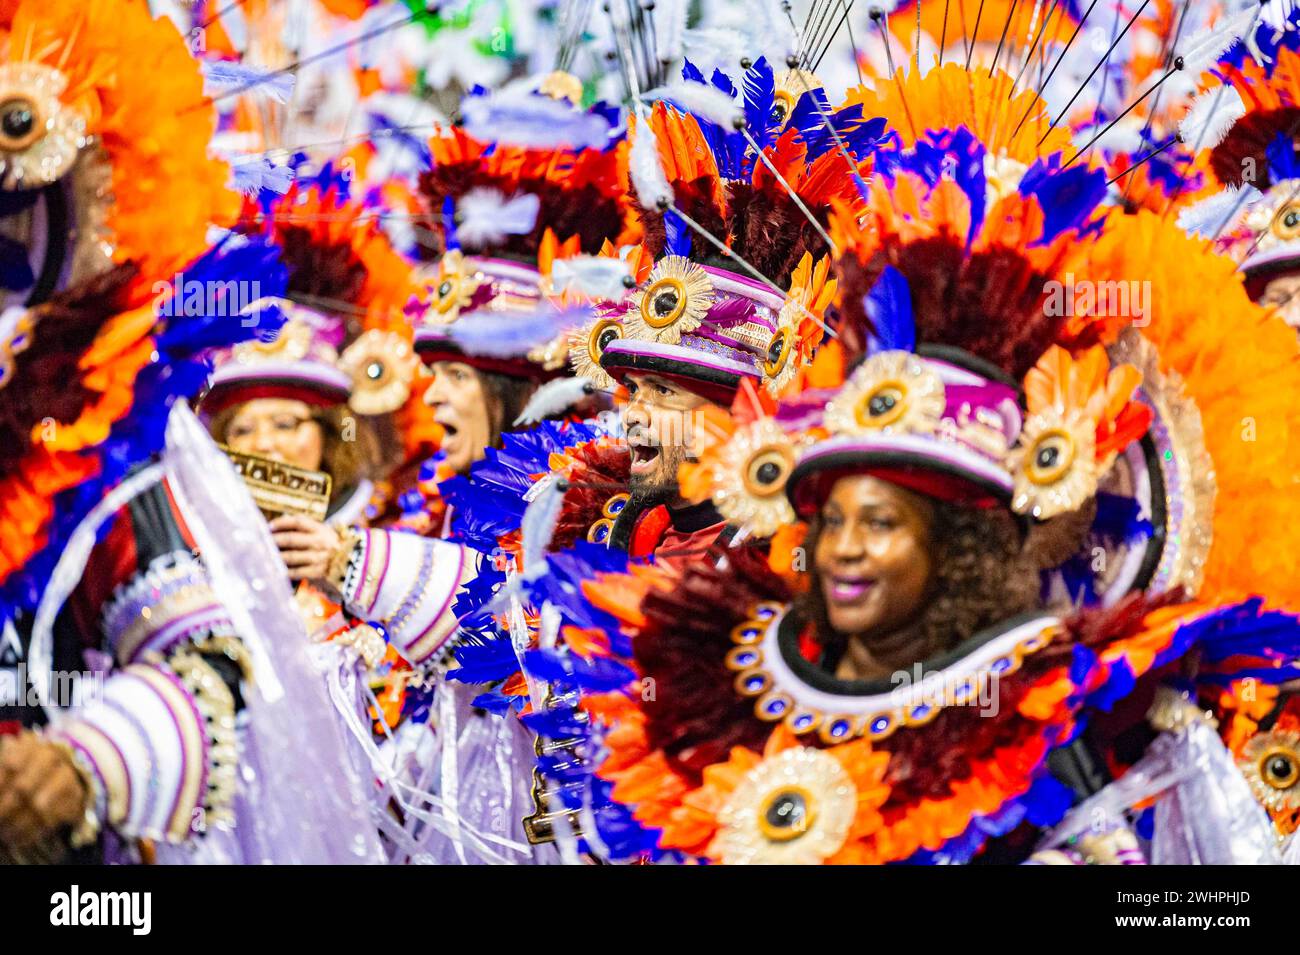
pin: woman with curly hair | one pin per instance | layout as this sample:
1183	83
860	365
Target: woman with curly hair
898	577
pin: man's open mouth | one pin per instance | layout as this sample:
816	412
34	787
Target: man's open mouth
644	457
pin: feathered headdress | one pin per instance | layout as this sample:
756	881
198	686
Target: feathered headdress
527	180
1247	125
342	267
85	116
118	374
735	188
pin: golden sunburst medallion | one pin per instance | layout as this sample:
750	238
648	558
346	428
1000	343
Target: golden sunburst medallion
1053	465
1270	762
290	344
451	290
749	477
788	87
1285	224
675	300
794	808
782	359
588	343
382	367
893	392
40	137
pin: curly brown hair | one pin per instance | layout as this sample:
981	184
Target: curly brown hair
982	574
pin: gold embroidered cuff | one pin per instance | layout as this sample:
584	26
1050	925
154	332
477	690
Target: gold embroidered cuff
337	571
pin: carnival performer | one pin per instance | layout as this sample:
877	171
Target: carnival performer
495	328
129	551
733	199
911	681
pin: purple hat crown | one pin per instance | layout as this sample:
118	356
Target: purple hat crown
693	321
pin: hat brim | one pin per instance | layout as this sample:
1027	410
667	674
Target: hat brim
920	464
710	376
439	348
1264	267
316	385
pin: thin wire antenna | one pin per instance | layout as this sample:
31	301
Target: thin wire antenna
1178	65
1214	108
825	117
1088	79
218	15
1166	54
816	11
625	59
649	56
763	157
1011	15
943	36
879	16
916	42
652	34
966	42
831	39
807	21
974	37
1151	155
1043	82
1029	57
813	43
1105	73
571	27
758	276
857	54
308	60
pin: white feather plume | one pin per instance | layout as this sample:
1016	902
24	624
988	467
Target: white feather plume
1211	116
554	398
714	45
1218	213
1203	49
253	174
538	527
485	217
596	276
700	100
572	17
647	174
670	26
221	77
514	334
523	118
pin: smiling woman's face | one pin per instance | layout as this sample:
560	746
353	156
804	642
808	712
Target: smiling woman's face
873	556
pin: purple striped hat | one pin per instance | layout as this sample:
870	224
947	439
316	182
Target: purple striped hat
703	326
301	362
468	287
942	425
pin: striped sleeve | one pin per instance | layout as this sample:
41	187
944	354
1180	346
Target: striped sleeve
407	584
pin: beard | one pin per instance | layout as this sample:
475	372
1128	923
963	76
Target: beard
658	486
